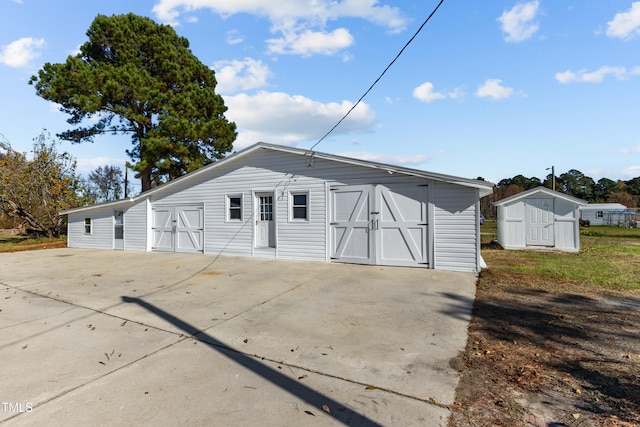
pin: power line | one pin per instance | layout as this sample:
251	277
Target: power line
309	163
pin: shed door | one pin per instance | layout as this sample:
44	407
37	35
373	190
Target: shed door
350	218
401	225
539	222
383	225
178	228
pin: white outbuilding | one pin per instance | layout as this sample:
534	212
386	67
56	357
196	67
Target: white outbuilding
280	202
597	213
539	218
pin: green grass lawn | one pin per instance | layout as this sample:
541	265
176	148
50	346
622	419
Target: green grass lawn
609	258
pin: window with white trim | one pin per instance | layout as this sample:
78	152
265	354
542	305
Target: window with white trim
87	226
234	207
299	206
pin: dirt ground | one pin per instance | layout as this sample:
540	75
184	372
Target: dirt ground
546	356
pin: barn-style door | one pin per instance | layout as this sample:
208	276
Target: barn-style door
379	224
178	228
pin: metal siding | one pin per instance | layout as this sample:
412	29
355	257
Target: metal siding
455	228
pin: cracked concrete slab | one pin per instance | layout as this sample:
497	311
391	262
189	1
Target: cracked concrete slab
155	338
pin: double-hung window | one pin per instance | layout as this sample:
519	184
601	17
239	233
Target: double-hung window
87	226
299	206
234	207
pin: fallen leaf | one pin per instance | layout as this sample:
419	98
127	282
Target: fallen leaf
24	346
107	356
432	400
371	387
302	377
326	409
576	415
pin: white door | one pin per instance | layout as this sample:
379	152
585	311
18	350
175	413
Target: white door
189	232
350	224
178	228
162	228
382	225
118	230
539	220
401	225
265	225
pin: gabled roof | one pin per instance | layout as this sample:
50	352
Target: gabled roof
540	191
485	188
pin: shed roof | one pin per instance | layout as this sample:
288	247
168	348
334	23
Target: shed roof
540	191
484	187
603	206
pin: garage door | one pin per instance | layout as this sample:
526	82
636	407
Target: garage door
178	228
379	224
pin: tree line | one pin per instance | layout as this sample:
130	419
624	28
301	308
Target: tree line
573	183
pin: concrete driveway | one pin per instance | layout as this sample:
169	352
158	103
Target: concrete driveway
93	337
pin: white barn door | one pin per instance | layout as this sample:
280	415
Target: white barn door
178	228
401	225
539	222
350	223
383	225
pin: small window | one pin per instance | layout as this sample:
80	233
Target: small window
299	206
87	226
234	208
599	214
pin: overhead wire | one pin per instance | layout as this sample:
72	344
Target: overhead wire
311	152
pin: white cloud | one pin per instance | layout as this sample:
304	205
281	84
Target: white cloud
310	43
625	25
87	165
425	93
631	172
285	119
518	22
493	88
233	76
635	149
234	37
403	160
20	52
597	76
300	24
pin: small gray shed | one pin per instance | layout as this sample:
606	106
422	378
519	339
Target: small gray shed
539	218
280	202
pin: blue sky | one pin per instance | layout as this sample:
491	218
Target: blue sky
488	88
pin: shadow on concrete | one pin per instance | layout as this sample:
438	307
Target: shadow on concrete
318	400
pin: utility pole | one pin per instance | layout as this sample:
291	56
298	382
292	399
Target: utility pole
553	177
126	181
